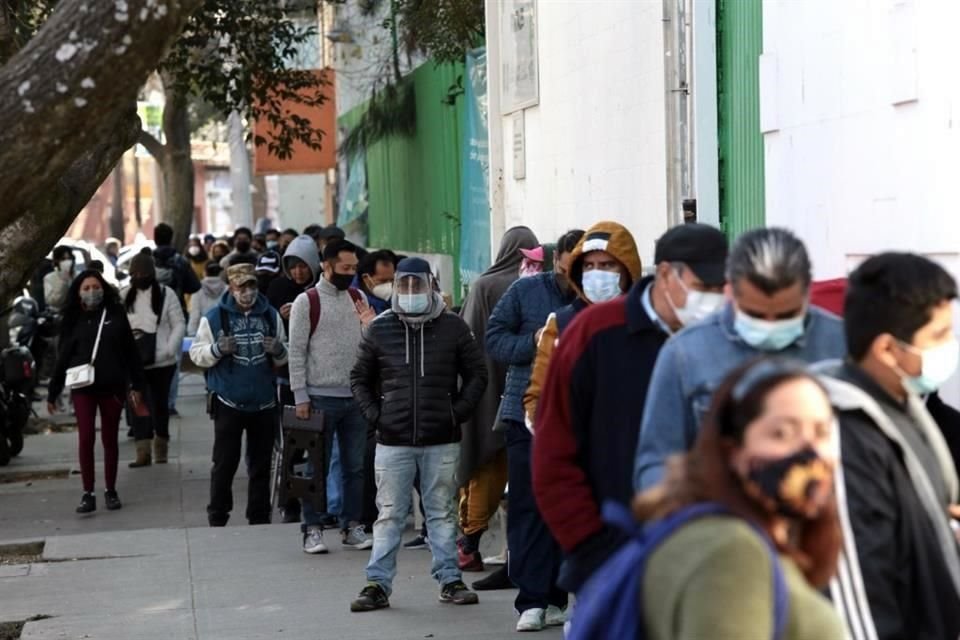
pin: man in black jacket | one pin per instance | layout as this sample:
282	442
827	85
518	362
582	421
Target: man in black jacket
900	571
406	383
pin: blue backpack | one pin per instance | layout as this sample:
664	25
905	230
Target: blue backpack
609	605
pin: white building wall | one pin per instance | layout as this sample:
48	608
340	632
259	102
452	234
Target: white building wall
595	144
860	102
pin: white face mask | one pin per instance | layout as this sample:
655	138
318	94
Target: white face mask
600	286
698	306
383	291
767	335
66	265
937	364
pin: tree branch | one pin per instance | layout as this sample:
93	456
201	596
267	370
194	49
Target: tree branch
150	142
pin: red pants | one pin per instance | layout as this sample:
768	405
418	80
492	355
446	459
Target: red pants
111	406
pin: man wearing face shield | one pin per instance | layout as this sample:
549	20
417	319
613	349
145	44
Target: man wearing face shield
768	312
899	484
594	394
419	375
239	343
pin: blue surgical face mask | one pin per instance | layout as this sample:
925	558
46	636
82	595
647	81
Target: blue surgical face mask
937	364
767	335
413	303
600	286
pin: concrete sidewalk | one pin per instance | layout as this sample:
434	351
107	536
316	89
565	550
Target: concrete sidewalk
154	570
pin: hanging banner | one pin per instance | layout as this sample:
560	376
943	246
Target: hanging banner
354	202
475	172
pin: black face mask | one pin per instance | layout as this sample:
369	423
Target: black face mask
243	246
341	281
142	282
797	486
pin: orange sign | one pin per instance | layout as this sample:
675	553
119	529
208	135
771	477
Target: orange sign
304	159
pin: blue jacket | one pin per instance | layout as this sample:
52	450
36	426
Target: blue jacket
520	313
246	379
692	365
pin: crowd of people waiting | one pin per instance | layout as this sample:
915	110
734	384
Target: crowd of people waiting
701	449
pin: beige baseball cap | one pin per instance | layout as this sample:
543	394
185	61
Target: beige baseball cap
240	274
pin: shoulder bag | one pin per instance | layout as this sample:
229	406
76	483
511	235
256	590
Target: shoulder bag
83	375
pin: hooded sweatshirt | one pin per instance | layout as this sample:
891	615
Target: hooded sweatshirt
616	240
245	379
211	289
320	362
284	290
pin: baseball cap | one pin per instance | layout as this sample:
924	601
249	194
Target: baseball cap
535	254
269	262
240	274
699	246
414	265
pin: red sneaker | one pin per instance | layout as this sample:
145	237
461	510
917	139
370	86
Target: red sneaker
469	561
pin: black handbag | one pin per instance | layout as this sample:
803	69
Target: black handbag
146	346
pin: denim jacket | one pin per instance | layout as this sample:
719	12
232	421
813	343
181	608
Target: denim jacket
691	366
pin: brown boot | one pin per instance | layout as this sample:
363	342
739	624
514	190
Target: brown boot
143	455
160	447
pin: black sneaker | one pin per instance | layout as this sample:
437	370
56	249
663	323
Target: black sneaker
371	598
420	542
458	593
88	503
112	500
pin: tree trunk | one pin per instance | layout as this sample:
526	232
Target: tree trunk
64	120
177	167
117	226
90	58
48	217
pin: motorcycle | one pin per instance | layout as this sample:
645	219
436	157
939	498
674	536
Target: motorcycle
18	380
18	375
31	328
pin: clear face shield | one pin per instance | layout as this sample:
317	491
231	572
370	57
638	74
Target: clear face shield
412	292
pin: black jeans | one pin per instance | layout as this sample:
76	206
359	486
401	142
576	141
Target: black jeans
157	395
229	425
535	557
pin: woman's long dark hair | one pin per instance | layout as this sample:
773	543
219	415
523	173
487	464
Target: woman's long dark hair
74	305
705	474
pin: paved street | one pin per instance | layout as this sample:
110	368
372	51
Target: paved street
154	570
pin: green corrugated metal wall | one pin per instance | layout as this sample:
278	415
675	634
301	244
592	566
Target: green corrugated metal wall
414	183
739	45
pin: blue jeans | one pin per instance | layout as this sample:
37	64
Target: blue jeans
395	471
342	417
334	479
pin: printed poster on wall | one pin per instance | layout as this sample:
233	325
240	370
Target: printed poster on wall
475	172
520	85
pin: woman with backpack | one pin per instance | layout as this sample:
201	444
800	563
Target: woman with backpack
743	532
156	317
98	363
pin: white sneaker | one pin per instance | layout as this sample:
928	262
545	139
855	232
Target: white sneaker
357	538
531	620
555	616
313	541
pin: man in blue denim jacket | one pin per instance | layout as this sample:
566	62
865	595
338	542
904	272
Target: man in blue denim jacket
768	276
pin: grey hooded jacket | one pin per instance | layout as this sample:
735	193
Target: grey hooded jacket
899	573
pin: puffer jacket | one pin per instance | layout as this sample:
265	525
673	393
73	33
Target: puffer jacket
406	376
519	314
